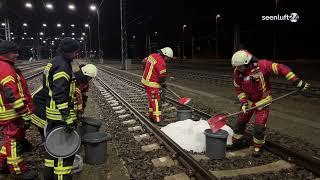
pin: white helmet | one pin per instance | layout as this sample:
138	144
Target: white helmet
89	70
167	51
241	57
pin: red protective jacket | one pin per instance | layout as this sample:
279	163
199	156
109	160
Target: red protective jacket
155	71
254	83
15	98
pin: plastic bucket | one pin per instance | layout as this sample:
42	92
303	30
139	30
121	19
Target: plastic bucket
61	144
95	147
183	114
216	144
90	125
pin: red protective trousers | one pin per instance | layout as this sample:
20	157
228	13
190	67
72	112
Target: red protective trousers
11	149
261	116
153	95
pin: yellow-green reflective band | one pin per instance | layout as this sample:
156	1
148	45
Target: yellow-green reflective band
258	141
48	163
60	75
241	95
150	84
6	80
38	121
63	105
237	136
275	68
163	71
18	103
290	75
3	150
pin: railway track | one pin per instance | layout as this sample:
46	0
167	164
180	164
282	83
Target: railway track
127	99
278	86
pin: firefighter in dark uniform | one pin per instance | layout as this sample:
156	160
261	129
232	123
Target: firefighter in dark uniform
59	81
83	76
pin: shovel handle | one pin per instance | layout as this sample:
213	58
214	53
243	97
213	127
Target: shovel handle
173	93
273	100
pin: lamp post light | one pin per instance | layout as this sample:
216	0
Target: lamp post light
183	36
93	8
71	7
49	6
28	5
88	26
217	34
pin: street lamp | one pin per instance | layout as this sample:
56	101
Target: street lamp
58	25
71	7
94	8
72	34
28	5
88	26
183	36
41	33
25	24
44	25
49	6
3	24
72	25
22	38
217	34
11	33
25	33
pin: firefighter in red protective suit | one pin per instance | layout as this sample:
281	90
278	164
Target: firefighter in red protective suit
252	85
154	77
15	109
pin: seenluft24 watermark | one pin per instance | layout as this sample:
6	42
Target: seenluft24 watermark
293	17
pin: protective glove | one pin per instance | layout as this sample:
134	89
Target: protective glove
70	127
164	85
27	121
244	107
301	85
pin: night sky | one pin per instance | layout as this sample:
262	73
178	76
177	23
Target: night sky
167	17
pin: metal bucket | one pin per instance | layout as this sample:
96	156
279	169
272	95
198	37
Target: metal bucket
216	143
90	125
95	147
61	144
183	114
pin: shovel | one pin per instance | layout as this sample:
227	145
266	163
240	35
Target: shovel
182	100
219	120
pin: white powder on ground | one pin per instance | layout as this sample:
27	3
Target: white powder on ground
189	134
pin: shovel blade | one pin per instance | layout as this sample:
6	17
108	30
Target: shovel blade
184	100
217	122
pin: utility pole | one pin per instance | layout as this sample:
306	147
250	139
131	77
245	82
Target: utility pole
124	52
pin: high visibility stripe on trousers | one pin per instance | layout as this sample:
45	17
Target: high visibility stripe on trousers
60	170
14	159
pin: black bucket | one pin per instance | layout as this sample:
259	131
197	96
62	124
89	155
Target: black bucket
216	143
183	114
90	125
95	147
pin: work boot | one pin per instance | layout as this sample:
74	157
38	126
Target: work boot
27	175
257	150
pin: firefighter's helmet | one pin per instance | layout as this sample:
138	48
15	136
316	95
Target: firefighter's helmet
89	70
167	51
241	57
